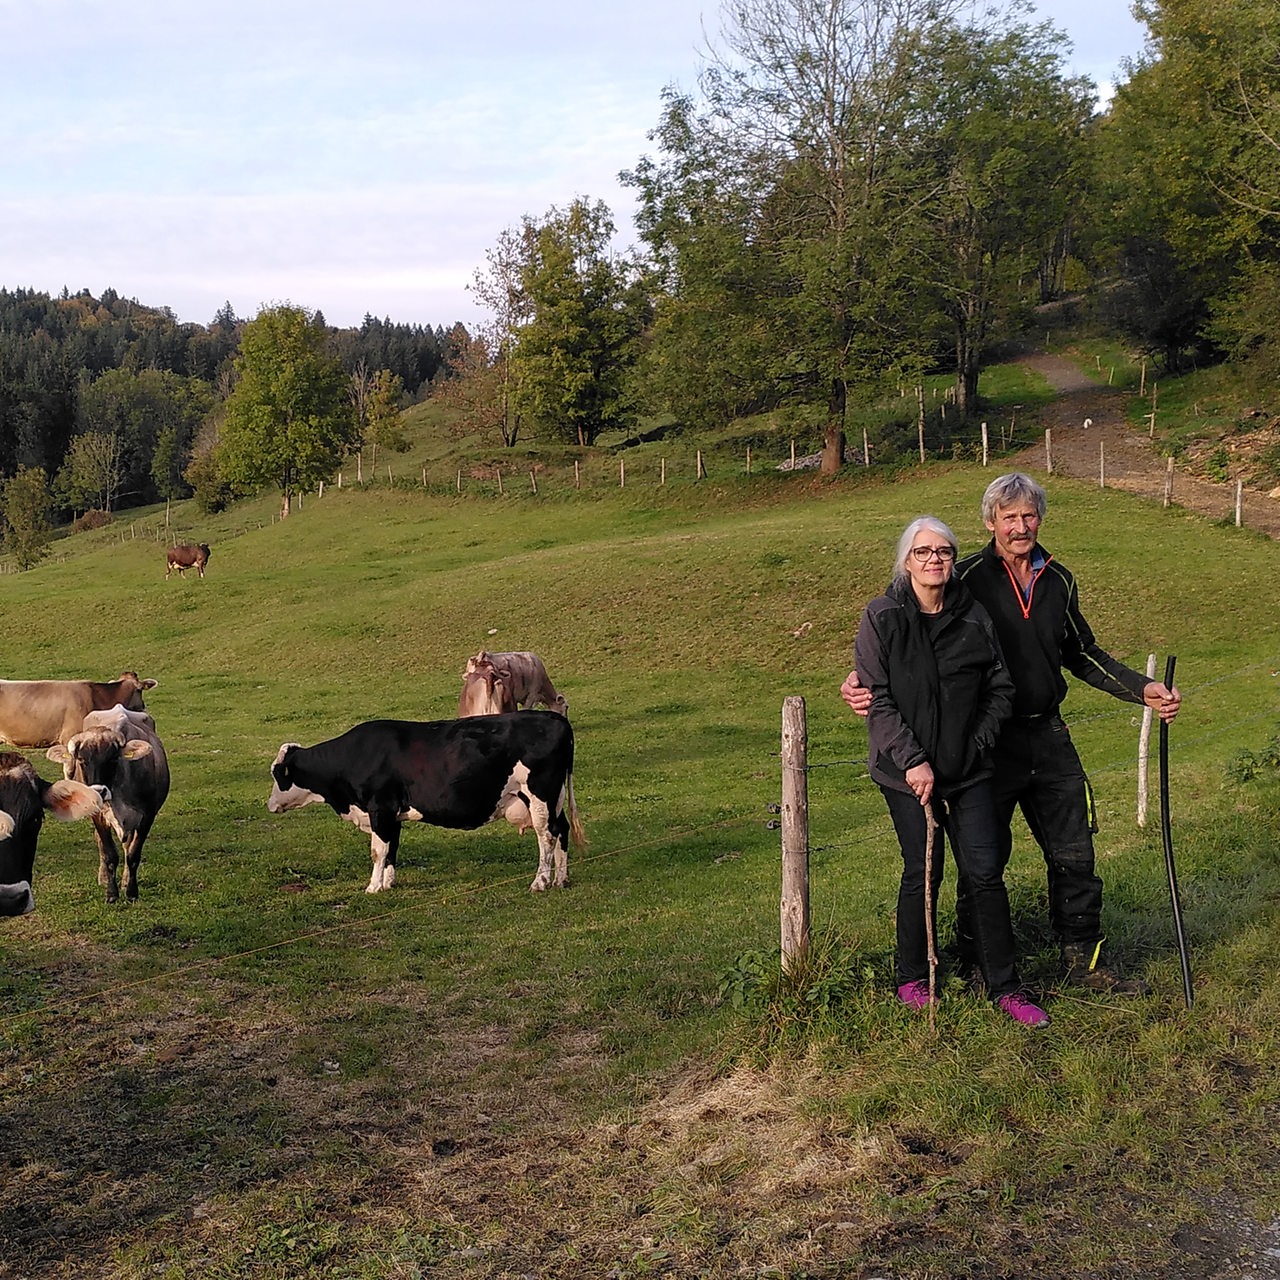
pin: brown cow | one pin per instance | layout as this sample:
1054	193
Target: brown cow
186	557
119	751
39	713
525	678
484	691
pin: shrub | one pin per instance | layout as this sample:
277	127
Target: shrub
93	519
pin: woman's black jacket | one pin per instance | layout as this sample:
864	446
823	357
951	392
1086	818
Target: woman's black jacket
939	688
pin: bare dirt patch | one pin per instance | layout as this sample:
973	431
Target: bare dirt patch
1126	459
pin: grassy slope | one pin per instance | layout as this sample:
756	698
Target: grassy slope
297	1095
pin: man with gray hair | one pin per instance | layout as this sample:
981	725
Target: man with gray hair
1035	605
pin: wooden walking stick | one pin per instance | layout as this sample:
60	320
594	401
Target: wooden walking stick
1167	835
931	831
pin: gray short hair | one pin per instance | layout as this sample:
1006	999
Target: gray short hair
909	536
1008	491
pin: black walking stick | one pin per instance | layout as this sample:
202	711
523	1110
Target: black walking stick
1167	836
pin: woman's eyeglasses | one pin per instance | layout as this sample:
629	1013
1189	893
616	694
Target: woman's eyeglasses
922	555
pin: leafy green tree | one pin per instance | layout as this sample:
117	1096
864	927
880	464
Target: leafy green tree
1000	156
139	407
93	470
25	515
587	309
376	400
789	198
288	421
489	365
1189	174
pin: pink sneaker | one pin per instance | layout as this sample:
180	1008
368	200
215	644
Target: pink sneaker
1020	1009
915	995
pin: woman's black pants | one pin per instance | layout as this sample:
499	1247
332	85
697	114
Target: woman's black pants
969	819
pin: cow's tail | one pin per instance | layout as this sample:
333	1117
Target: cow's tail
577	832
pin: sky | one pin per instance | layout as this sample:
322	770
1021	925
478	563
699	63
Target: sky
354	158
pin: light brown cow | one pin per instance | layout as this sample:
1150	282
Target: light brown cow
485	690
40	713
524	676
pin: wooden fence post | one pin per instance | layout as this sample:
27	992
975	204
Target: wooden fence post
866	449
794	912
793	455
920	419
1168	482
622	473
701	471
459	479
1144	748
577	474
985	450
533	482
1048	450
1239	501
663	478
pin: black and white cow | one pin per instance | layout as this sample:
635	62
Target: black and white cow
24	796
452	773
120	750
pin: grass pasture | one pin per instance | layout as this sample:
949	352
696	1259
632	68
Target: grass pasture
258	1070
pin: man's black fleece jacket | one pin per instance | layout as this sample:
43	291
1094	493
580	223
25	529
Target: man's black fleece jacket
1042	636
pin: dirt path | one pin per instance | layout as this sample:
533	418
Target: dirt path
1132	462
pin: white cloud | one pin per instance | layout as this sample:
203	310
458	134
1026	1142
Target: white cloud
355	159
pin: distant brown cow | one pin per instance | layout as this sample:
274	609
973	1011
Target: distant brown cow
39	713
524	676
484	690
186	557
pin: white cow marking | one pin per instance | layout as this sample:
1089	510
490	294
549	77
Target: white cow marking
384	875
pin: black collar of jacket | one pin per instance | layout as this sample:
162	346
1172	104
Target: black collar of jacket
957	599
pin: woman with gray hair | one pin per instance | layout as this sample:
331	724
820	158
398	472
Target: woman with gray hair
939	694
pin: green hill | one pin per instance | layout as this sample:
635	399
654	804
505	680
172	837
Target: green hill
259	1070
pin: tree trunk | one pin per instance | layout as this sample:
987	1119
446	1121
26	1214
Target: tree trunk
285	505
833	440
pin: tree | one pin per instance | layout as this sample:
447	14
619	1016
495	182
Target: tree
800	142
142	407
481	390
1189	164
502	289
92	472
999	152
383	424
25	505
288	422
586	311
375	400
